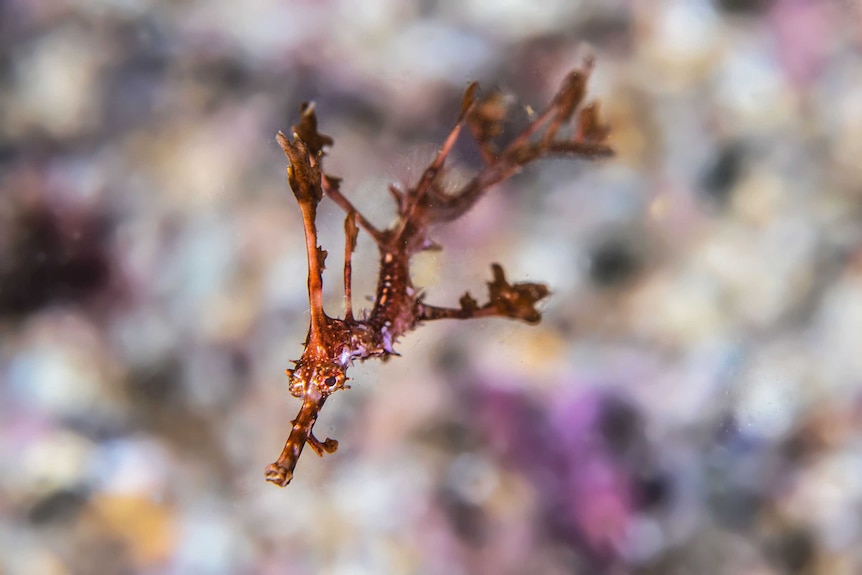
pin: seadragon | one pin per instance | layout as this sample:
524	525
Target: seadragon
569	126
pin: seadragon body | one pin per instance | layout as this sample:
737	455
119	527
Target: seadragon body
333	344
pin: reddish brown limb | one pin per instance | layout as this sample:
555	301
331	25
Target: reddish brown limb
430	174
350	232
588	141
281	472
516	301
485	120
431	312
304	178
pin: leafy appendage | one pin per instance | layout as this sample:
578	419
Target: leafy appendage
306	130
514	301
517	301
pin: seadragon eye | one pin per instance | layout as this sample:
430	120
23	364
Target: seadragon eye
331	381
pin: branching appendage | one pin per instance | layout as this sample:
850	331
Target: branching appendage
333	344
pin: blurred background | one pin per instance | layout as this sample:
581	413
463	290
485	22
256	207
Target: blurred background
689	404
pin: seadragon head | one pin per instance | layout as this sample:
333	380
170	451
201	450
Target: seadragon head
324	379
